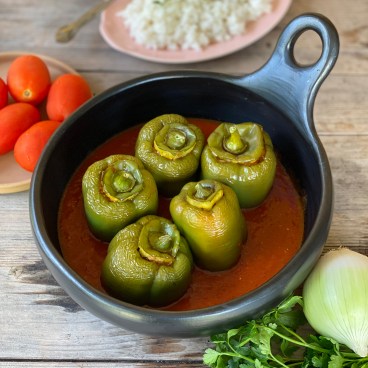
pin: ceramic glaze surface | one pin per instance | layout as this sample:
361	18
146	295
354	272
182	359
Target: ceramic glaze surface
281	95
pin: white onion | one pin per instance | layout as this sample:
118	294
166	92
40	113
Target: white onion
336	298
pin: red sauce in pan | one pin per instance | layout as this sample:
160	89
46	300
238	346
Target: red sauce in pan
275	232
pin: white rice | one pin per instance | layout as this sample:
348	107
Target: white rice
189	24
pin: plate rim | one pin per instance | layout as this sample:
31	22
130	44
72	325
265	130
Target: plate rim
280	8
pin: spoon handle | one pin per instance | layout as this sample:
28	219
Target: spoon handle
68	31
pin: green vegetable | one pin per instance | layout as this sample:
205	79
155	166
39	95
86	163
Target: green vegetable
207	213
241	156
148	262
117	191
336	298
170	149
273	341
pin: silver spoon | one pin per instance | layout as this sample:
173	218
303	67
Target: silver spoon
68	31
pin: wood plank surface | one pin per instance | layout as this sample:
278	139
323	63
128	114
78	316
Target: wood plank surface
40	325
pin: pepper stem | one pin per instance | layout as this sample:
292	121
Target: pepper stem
123	182
234	143
176	139
159	241
203	191
205	194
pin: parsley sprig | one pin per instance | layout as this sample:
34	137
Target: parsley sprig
274	341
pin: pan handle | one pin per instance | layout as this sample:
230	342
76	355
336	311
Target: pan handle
288	85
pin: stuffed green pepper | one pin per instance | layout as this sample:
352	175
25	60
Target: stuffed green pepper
148	263
208	214
170	147
241	156
117	191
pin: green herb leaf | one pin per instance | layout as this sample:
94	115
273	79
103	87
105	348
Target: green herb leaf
336	362
210	357
274	341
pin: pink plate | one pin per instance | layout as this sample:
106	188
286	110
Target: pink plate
117	36
12	177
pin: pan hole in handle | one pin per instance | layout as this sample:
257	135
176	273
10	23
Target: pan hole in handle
298	37
288	80
307	48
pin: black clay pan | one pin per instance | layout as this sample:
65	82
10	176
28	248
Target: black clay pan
281	95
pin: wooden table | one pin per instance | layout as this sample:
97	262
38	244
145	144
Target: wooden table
40	326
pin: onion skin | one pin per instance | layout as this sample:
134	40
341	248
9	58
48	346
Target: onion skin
336	298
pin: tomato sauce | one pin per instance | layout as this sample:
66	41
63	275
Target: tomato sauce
275	233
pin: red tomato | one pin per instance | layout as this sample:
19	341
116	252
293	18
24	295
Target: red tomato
28	79
3	94
31	143
67	93
15	119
